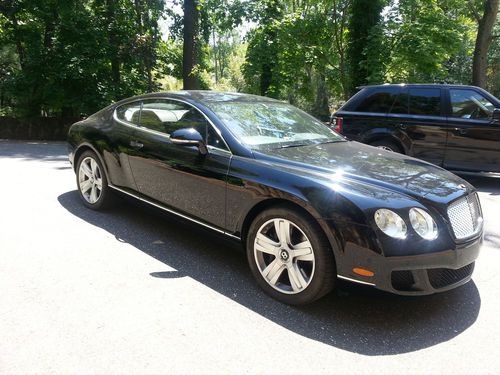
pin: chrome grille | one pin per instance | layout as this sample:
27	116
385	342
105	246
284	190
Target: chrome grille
465	216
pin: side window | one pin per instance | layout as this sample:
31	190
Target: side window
400	105
167	116
470	104
426	102
378	101
129	112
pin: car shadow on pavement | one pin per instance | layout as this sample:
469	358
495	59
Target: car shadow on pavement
355	318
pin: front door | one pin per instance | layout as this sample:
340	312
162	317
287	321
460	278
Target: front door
474	139
179	176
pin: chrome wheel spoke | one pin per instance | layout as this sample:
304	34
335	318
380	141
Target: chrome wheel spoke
94	167
297	281
266	245
98	183
273	271
282	228
85	186
303	251
86	169
93	194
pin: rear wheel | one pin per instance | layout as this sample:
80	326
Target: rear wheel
92	182
290	257
387	144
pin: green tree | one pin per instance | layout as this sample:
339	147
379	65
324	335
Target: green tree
364	42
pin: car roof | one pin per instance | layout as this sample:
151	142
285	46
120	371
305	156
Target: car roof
207	96
436	85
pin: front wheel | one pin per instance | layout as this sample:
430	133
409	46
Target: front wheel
92	182
290	257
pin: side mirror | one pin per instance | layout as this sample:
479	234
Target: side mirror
496	115
189	137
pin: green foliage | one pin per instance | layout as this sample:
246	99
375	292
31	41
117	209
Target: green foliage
77	56
365	41
66	57
425	40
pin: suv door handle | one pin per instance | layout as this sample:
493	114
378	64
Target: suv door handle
136	144
461	131
401	126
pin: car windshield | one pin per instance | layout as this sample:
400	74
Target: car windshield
272	125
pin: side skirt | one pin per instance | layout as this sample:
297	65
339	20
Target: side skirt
173	212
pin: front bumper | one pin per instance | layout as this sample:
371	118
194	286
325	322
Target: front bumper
411	275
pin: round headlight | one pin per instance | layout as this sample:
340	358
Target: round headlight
423	224
390	223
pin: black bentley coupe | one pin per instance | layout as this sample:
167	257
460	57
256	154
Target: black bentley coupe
309	205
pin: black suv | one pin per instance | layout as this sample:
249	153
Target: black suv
454	126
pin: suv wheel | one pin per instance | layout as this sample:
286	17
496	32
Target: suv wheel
387	145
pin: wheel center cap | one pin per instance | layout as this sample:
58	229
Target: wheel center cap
284	255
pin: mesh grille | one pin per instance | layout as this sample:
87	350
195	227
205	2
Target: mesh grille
441	277
465	216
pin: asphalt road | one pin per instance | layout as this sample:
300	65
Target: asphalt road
134	291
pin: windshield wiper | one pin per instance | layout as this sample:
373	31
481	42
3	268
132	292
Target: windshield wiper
294	145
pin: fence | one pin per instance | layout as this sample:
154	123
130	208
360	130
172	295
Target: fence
43	128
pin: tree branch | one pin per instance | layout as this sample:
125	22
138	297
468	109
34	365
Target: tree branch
474	11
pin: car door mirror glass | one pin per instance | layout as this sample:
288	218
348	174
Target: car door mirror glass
189	137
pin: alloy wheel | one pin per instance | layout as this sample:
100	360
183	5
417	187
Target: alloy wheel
90	180
284	256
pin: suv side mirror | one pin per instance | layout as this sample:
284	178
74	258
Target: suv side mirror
189	137
496	115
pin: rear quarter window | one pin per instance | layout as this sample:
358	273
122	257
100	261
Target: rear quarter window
377	100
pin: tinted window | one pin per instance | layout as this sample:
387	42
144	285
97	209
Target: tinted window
400	104
470	104
378	101
425	102
167	116
129	112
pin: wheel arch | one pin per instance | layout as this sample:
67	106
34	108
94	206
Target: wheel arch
386	136
333	238
88	147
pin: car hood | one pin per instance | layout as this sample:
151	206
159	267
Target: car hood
349	160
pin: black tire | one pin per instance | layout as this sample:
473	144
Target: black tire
323	277
388	145
105	195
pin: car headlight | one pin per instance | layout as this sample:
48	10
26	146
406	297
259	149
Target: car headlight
423	224
390	223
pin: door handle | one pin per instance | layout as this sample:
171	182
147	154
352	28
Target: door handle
401	126
136	144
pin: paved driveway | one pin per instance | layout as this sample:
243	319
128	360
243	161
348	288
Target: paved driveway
134	291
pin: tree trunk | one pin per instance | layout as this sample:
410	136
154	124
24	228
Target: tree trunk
190	46
483	41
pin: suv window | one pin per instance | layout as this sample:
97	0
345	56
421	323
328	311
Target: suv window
378	101
425	101
167	116
400	104
466	103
